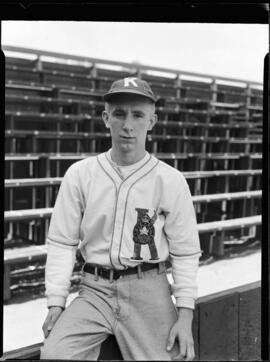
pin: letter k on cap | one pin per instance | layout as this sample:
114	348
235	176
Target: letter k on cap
131	85
130	80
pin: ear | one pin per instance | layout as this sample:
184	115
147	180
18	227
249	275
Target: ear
153	121
105	117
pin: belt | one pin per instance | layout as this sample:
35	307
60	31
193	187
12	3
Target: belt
116	274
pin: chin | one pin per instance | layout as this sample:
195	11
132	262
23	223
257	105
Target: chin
126	148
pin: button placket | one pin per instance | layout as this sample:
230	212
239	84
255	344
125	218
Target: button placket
118	222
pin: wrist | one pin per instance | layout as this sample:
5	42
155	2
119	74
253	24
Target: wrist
184	312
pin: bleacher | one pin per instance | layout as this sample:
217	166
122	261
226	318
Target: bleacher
209	127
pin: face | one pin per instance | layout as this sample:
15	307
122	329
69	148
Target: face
129	118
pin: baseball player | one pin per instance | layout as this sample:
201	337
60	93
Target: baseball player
128	213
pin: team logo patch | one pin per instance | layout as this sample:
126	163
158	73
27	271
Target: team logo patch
144	234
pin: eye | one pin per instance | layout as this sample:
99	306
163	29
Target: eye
118	114
138	115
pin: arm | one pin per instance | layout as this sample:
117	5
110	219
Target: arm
184	246
62	242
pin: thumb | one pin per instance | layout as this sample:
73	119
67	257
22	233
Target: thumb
171	339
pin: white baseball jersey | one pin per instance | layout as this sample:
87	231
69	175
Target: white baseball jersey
119	222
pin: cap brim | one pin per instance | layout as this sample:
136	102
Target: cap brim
110	95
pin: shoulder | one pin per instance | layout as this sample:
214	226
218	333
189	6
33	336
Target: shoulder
81	168
171	174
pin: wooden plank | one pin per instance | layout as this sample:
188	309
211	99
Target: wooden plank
78	135
28	182
218	333
161	156
31	214
229	224
35	116
226	292
226	105
227	196
54	135
24	86
29	352
200	174
249	325
30	253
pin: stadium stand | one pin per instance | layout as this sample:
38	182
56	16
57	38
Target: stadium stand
209	127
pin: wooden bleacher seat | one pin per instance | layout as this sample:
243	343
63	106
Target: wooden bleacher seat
226	196
175	155
30	214
52	135
81	93
11	98
216	231
53	117
33	182
230	124
186	162
68	101
60	134
226	105
27	86
18	215
231	224
47	181
29	253
203	174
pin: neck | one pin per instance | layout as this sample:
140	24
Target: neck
128	158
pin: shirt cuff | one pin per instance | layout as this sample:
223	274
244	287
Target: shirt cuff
56	300
185	302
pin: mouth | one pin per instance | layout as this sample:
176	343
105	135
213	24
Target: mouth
127	137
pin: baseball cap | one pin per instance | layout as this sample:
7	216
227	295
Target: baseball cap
131	85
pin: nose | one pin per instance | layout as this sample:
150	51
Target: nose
128	126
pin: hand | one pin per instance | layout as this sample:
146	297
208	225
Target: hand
52	316
182	330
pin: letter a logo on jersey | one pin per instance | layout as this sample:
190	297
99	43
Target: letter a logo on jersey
130	81
144	234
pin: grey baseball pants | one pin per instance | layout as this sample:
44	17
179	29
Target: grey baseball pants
138	311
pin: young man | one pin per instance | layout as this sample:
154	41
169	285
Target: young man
128	212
